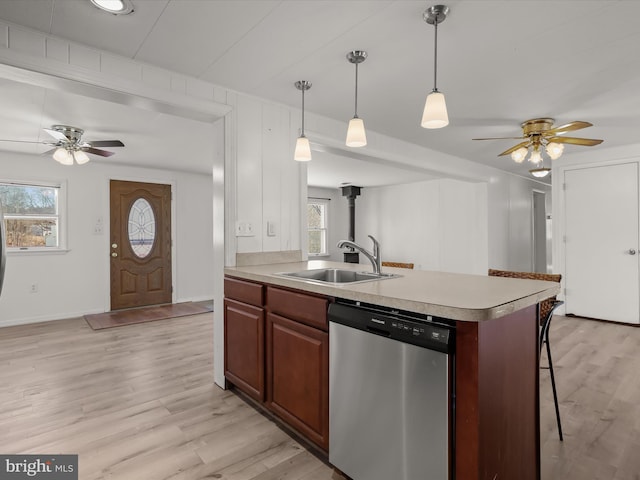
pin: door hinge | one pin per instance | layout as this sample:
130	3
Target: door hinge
564	239
564	186
171	288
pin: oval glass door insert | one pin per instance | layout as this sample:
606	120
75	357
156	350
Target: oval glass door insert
142	227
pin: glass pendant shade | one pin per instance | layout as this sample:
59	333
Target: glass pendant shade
535	157
61	155
81	157
554	150
356	134
435	111
519	155
303	150
540	172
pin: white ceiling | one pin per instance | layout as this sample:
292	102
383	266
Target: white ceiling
499	63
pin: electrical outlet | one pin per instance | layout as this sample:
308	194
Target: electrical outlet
34	288
244	229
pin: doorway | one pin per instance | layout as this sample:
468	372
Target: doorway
140	244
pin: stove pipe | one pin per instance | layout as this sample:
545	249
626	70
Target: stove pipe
351	192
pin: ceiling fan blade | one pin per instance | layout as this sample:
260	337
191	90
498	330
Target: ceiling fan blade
49	152
577	125
97	151
57	135
106	143
499	138
587	142
514	148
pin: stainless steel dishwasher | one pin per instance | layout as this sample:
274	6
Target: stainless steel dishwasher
391	393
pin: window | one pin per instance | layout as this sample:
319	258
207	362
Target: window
317	226
31	216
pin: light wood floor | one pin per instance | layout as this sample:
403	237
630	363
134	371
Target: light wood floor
138	402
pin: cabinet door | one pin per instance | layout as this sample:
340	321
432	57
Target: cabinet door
298	377
244	347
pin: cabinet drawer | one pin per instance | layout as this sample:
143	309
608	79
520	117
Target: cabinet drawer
243	291
301	307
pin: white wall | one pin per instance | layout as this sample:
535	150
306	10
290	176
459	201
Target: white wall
269	185
338	216
77	282
436	225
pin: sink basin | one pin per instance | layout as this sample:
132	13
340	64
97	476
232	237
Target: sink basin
336	276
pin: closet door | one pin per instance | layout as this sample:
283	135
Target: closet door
601	242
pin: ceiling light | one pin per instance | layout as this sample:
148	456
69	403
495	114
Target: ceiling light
63	156
519	155
80	157
554	150
540	172
435	108
116	7
535	157
356	134
303	149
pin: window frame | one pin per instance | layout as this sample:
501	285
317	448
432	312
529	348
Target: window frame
325	202
61	216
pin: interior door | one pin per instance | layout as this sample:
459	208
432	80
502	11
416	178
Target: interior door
140	244
601	242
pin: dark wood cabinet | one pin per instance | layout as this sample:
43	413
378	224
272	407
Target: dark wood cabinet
276	350
244	347
244	336
298	376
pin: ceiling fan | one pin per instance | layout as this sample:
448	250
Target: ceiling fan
539	132
69	146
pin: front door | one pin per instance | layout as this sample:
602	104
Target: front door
601	242
140	244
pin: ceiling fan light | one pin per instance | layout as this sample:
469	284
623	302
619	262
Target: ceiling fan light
540	172
435	111
80	157
519	155
535	157
356	134
303	150
554	150
62	156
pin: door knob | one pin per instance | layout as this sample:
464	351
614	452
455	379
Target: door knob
632	251
114	245
114	254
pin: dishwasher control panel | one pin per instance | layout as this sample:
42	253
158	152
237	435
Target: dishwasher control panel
422	330
419	330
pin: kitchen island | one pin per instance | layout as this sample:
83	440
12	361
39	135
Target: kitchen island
495	430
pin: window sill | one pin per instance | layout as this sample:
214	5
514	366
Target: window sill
37	251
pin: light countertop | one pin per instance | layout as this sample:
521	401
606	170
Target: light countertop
455	296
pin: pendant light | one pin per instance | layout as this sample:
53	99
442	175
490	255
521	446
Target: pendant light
356	135
303	149
435	108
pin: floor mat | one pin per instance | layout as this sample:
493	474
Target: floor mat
119	318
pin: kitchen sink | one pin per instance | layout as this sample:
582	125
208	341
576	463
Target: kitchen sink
337	276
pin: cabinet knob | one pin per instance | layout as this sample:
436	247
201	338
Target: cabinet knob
114	254
114	245
632	251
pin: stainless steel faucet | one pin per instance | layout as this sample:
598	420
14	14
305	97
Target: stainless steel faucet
374	257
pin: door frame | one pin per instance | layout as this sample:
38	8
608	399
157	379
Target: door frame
535	192
107	232
576	162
